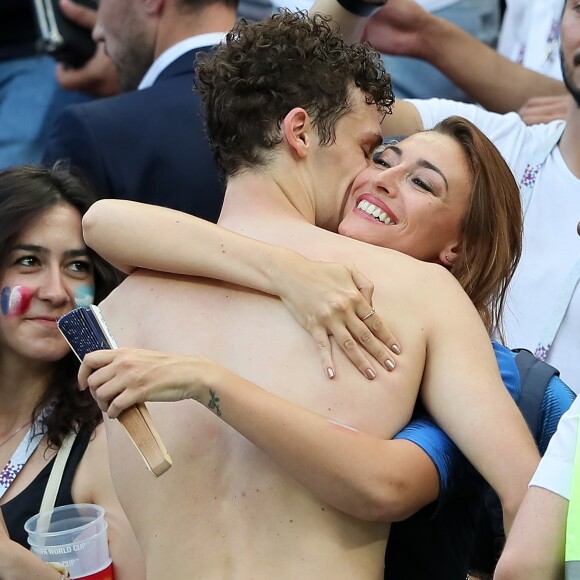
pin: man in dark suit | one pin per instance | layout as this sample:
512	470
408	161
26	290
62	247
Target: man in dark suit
149	144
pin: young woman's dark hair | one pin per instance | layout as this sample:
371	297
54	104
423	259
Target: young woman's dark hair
25	194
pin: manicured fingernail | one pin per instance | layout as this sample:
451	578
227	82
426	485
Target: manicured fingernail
370	374
330	372
396	349
390	364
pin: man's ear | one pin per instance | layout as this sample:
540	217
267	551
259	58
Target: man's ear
296	128
153	7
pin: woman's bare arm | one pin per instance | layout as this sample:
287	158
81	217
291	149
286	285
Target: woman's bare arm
463	391
362	475
326	299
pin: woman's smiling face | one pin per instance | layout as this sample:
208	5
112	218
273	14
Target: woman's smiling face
48	273
412	198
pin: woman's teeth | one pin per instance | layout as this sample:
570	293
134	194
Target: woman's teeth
374	211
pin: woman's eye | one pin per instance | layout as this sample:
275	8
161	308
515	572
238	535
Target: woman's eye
379	159
28	261
80	266
420	183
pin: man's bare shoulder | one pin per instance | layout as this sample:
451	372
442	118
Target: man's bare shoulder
388	267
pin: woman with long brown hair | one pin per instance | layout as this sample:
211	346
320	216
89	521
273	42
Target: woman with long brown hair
45	271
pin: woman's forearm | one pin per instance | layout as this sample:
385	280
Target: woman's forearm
362	475
325	298
359	474
133	235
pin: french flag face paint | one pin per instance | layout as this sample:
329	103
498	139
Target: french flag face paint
84	295
16	300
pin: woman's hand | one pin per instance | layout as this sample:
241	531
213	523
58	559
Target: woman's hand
124	377
326	299
333	299
17	562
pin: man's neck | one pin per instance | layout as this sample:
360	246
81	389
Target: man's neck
258	205
569	141
175	26
261	196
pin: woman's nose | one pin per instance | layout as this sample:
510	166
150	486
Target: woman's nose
387	180
53	288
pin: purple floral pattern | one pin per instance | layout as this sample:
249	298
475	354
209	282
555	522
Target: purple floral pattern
541	352
530	175
9	473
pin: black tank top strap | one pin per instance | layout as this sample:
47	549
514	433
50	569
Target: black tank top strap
27	503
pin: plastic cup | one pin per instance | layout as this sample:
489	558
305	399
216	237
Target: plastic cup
74	536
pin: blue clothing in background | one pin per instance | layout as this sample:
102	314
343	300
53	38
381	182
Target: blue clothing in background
30	97
437	542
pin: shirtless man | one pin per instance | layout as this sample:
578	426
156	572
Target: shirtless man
226	509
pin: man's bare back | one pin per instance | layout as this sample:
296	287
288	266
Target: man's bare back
225	510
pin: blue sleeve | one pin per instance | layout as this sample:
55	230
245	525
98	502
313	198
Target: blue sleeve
557	400
450	463
506	361
438	446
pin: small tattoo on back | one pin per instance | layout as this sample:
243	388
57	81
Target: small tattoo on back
214	403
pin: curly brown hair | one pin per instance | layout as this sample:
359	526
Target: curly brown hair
492	225
265	69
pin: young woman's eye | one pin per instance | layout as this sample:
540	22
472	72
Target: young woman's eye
379	159
80	266
28	261
420	183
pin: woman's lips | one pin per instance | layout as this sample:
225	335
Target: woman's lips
48	321
391	218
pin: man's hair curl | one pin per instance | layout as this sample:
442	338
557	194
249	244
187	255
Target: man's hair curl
265	69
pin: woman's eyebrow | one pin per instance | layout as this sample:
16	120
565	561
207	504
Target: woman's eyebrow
421	162
429	165
73	253
393	148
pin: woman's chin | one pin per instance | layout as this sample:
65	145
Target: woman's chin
352	229
359	230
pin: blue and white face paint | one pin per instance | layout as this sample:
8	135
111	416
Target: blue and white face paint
84	295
